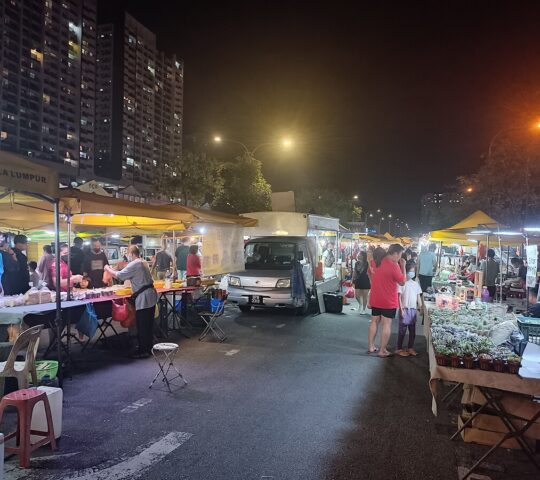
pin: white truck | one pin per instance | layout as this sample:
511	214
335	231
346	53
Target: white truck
273	248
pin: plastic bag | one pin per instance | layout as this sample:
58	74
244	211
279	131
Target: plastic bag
107	278
350	292
88	323
123	312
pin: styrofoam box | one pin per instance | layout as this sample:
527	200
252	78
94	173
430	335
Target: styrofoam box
39	420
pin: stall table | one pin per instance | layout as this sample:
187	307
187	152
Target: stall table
494	386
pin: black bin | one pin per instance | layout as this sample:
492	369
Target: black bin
333	302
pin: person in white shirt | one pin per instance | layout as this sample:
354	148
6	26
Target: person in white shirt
410	297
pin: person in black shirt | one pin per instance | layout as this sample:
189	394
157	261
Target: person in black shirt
77	256
16	276
534	306
521	269
94	264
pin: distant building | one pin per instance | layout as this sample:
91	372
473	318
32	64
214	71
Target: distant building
47	58
139	105
441	210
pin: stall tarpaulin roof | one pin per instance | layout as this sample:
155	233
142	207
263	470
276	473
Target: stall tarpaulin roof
23	212
475	221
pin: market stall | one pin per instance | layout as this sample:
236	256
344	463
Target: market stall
477	346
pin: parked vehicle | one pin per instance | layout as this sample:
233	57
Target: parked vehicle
267	279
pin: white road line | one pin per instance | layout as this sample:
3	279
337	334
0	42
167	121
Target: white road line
474	476
281	325
230	353
136	405
137	466
253	326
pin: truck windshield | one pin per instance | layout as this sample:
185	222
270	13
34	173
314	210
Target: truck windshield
269	255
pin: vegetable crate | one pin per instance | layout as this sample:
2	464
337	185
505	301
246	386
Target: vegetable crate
530	327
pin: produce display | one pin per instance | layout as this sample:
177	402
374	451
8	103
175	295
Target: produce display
475	336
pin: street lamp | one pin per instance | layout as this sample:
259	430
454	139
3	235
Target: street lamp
285	143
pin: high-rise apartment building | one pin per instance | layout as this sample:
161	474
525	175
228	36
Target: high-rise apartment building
47	58
139	104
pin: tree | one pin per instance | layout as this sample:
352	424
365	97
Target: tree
194	179
507	186
327	201
243	188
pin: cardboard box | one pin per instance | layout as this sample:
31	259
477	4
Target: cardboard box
493	423
485	437
519	406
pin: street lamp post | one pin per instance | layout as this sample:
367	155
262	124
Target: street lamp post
285	143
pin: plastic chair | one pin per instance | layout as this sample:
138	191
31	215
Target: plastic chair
29	342
164	355
25	401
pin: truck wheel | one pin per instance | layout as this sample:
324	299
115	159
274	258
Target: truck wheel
244	308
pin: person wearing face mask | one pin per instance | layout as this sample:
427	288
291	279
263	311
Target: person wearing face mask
64	271
144	296
410	297
17	278
94	264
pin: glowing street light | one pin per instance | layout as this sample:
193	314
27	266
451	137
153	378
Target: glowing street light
355	197
217	139
469	190
287	142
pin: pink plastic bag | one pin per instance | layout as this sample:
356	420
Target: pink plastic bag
350	292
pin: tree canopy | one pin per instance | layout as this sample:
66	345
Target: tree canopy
244	188
328	201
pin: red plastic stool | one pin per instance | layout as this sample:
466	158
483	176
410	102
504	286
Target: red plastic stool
24	401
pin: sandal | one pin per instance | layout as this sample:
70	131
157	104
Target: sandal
375	350
386	355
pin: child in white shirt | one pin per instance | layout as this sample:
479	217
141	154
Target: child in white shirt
410	296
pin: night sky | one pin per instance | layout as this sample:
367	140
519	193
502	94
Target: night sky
387	101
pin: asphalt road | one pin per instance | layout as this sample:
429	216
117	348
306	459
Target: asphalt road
283	398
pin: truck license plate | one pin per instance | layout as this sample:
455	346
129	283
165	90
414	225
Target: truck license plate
256	299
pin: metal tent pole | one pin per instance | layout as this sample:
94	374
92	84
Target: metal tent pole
58	318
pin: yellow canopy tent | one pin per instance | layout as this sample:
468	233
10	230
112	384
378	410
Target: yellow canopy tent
26	213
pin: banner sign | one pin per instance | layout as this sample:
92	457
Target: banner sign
532	258
223	250
21	175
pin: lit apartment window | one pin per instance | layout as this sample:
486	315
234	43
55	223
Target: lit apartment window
129	161
36	55
46	99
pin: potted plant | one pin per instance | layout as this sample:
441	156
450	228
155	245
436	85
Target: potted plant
469	351
514	362
485	360
498	363
455	357
441	355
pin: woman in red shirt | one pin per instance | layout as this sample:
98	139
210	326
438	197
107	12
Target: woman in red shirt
389	272
193	262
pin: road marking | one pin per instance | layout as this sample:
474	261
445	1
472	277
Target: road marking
136	405
253	326
281	325
230	353
474	476
137	466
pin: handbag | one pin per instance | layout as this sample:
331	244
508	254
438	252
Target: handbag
88	323
124	312
138	292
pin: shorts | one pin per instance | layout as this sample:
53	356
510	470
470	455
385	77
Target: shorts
385	312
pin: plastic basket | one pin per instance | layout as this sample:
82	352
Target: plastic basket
530	327
216	305
45	369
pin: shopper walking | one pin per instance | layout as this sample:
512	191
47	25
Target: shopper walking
163	263
490	269
389	272
44	266
144	295
427	266
181	258
410	298
361	282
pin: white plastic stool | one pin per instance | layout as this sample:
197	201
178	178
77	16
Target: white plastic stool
164	354
39	420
